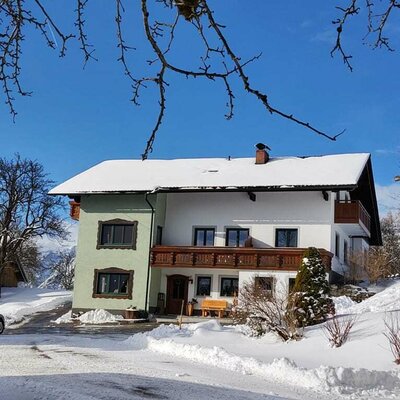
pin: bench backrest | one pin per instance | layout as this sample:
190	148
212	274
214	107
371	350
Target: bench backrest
214	303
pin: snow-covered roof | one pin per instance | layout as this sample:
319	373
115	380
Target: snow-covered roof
341	170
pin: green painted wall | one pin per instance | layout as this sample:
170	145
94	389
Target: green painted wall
95	208
160	205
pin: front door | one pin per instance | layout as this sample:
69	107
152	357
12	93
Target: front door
177	290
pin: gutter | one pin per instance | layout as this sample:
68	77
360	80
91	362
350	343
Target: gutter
150	245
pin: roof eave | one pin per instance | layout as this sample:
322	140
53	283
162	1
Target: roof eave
215	189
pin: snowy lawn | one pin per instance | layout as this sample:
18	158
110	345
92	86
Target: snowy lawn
18	304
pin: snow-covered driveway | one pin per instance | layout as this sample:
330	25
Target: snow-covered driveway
151	365
19	304
34	367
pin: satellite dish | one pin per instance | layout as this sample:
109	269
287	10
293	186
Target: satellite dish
262	146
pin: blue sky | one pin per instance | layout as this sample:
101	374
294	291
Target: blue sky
78	117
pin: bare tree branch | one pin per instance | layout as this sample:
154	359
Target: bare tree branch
377	22
64	38
27	211
351	10
80	23
218	63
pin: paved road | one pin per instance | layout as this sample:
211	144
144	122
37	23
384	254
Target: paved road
42	322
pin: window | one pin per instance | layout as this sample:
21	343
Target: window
265	283
337	245
204	236
345	251
286	237
203	285
113	282
236	237
291	284
229	287
117	233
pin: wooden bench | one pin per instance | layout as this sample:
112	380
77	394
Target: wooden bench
219	306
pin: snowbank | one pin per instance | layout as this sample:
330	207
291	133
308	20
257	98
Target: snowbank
190	343
386	300
99	316
343	304
93	317
64	319
18	304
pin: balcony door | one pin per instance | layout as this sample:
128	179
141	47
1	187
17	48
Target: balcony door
177	290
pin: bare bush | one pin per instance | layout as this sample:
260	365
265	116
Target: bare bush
390	226
392	324
263	312
356	261
337	330
377	263
372	264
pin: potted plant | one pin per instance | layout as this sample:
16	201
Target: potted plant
190	307
131	313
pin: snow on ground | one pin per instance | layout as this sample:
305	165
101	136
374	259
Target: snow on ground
343	304
201	361
308	364
386	300
53	367
64	319
363	367
93	317
18	304
208	361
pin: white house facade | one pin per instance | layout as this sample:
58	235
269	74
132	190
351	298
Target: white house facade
216	223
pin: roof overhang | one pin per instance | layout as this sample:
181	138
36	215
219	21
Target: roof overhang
332	188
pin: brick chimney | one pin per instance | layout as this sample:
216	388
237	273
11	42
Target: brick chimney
262	155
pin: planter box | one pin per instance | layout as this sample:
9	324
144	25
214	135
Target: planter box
131	314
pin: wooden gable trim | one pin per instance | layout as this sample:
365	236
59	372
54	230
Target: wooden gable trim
75	209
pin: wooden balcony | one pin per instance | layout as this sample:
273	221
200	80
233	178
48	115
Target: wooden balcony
352	212
286	259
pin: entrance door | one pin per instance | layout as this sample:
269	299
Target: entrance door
177	290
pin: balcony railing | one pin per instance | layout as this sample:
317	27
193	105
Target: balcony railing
288	259
352	212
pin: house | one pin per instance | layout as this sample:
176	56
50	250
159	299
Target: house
12	274
153	233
